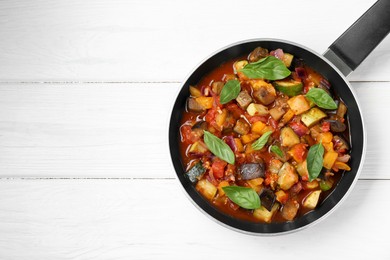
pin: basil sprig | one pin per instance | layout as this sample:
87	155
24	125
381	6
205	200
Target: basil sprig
315	161
259	143
230	91
244	197
276	150
270	68
218	147
321	98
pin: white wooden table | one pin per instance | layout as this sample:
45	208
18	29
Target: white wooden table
86	89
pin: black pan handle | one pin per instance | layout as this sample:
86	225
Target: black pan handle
356	43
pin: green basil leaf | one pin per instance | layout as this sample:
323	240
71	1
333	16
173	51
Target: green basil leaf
270	68
230	91
259	143
315	161
276	150
321	98
244	197
218	147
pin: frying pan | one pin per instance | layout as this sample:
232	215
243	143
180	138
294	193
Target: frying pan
341	58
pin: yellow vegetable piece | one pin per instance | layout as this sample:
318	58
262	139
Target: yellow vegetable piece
240	147
324	137
248	138
298	104
257	109
205	102
206	188
311	200
329	159
287	117
288	137
342	166
257	127
220	186
263	214
195	92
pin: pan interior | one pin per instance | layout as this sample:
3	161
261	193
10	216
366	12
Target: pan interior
340	87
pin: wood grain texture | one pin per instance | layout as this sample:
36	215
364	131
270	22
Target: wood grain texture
132	219
136	40
112	130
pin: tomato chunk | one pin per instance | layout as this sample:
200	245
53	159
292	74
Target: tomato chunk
218	168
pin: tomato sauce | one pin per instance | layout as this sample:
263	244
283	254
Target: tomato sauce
298	192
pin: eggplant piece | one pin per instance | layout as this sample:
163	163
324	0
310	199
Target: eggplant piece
194	106
267	198
196	172
249	171
200	125
336	126
242	127
243	99
265	95
258	54
290	209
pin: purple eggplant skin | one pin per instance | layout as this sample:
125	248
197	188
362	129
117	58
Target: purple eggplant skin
267	198
249	171
336	126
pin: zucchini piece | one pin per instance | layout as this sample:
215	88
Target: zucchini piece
288	137
287	59
311	200
289	87
264	215
313	116
287	176
206	188
196	172
257	109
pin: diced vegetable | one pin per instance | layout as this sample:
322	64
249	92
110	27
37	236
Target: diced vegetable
288	137
205	102
290	209
287	117
298	152
263	92
206	188
258	127
281	196
298	104
267	198
250	171
274	166
287	59
256	184
240	147
195	92
243	99
311	200
289	87
329	159
324	137
313	116
277	113
217	86
257	54
198	148
263	214
257	109
341	110
342	166
242	127
336	126
249	138
220	186
238	65
221	118
218	168
302	170
340	144
310	185
194	106
196	172
325	185
287	176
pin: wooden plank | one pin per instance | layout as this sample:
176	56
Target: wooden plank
160	40
148	219
109	130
